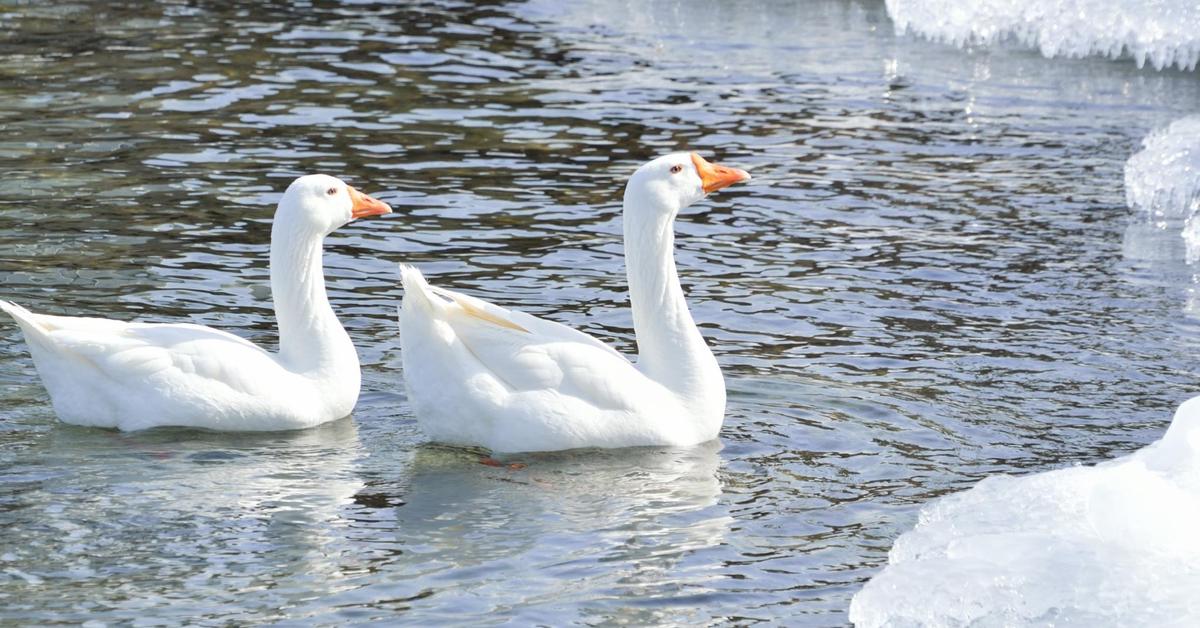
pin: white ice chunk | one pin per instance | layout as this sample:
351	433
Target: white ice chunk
1162	181
1164	32
1117	544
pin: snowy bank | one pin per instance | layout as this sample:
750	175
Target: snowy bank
1109	545
1164	33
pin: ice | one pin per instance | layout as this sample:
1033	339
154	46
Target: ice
1162	183
1163	179
1164	32
1116	544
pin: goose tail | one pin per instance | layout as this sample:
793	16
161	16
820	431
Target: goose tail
417	291
24	317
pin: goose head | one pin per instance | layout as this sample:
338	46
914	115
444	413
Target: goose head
673	182
320	203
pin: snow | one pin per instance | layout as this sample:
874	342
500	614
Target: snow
1114	544
1164	33
1162	181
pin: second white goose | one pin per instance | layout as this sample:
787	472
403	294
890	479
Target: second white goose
481	375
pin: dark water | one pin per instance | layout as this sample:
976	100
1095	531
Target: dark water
928	281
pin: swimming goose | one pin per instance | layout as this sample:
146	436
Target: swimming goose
130	376
481	375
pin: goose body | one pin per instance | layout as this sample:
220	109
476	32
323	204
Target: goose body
132	375
482	375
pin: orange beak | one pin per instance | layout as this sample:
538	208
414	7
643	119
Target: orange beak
364	205
714	177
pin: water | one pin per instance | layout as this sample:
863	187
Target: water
930	280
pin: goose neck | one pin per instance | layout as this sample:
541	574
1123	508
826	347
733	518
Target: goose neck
671	349
310	335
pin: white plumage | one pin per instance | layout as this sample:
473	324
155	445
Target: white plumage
482	375
108	373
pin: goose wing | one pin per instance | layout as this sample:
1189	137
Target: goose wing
523	352
186	354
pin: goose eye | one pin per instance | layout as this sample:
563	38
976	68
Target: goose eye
331	191
676	169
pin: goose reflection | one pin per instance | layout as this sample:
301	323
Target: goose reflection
161	512
564	518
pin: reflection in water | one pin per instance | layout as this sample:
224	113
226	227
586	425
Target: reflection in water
177	523
1159	258
130	524
583	531
924	285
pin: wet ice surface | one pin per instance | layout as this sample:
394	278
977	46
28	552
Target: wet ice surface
1113	544
1163	33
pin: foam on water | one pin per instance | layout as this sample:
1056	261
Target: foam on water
1113	544
1164	33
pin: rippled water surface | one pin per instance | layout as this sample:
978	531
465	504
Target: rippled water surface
931	279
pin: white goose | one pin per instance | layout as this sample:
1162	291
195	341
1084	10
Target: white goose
482	375
131	376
